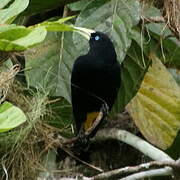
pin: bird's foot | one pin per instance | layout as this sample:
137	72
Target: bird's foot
82	138
81	144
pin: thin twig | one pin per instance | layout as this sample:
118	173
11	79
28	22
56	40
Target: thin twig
61	142
5	171
53	101
133	169
154	19
75	157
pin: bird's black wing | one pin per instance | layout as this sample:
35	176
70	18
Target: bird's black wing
83	99
93	83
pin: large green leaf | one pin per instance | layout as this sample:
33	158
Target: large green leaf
58	25
15	8
115	17
133	69
171	52
3	3
78	6
10	116
51	64
156	107
18	38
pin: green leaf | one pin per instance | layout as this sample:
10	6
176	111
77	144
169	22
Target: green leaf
58	25
3	3
51	63
61	116
10	116
34	37
78	6
156	107
18	38
12	32
115	17
133	70
158	28
167	47
171	52
13	10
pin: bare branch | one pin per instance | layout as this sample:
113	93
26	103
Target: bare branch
150	173
133	169
162	159
135	141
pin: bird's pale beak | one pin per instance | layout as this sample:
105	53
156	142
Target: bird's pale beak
84	32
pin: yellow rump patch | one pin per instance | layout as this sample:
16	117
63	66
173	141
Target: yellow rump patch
90	118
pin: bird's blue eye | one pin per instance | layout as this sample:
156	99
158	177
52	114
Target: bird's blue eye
97	38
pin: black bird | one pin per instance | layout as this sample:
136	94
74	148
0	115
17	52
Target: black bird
95	81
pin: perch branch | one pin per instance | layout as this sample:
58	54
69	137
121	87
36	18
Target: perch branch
144	147
166	171
134	141
142	167
150	173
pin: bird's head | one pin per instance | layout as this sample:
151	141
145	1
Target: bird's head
99	42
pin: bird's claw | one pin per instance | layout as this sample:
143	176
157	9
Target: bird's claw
82	138
105	109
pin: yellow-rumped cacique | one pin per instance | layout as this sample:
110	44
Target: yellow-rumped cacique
95	81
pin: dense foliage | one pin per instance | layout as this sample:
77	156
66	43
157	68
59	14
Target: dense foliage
42	37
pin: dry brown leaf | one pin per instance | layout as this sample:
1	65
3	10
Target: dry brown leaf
156	107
